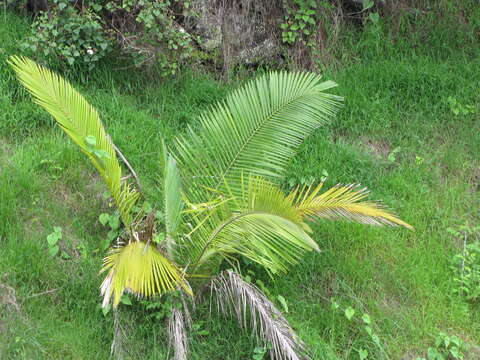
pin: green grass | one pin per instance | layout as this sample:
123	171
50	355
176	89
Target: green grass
401	278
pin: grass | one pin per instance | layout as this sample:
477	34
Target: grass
397	135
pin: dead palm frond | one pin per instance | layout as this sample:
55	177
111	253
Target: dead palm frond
177	334
252	308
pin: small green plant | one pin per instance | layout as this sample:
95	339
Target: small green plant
162	307
299	22
365	322
53	239
466	265
198	328
260	352
52	167
392	156
446	348
295	181
457	108
113	222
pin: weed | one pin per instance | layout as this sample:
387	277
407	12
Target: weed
446	347
466	265
53	239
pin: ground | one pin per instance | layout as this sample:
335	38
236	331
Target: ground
397	134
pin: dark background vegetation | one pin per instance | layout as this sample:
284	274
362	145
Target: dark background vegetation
410	131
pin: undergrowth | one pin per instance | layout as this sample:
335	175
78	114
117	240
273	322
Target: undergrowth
399	133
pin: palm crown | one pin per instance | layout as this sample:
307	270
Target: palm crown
221	201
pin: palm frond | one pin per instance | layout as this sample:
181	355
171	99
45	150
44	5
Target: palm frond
81	122
343	202
140	269
251	307
177	334
262	224
173	200
254	131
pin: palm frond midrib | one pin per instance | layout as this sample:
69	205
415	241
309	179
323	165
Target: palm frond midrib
268	119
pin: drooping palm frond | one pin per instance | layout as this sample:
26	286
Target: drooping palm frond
342	202
259	224
81	122
142	270
236	297
254	131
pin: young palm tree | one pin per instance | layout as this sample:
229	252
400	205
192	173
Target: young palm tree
221	201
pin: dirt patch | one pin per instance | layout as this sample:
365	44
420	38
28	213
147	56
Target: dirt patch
410	355
475	179
6	153
378	148
10	308
473	352
8	299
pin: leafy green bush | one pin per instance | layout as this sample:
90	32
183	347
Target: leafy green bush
71	36
144	31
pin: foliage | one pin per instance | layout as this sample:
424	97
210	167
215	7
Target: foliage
466	265
230	208
447	347
72	36
113	221
457	108
53	240
403	278
365	322
144	31
149	33
299	23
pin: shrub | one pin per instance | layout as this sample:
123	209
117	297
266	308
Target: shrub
64	33
144	31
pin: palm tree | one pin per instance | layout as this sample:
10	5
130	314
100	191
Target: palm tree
221	199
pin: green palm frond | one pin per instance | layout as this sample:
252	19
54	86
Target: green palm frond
260	225
81	122
343	202
142	270
254	131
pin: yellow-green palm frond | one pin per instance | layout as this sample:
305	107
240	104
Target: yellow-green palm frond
262	224
343	202
81	122
262	195
141	269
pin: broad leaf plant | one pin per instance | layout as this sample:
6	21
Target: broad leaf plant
221	199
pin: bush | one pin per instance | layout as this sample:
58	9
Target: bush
69	35
144	31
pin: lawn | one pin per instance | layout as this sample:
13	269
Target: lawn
409	131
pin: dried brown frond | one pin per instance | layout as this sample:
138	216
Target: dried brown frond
177	333
251	307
